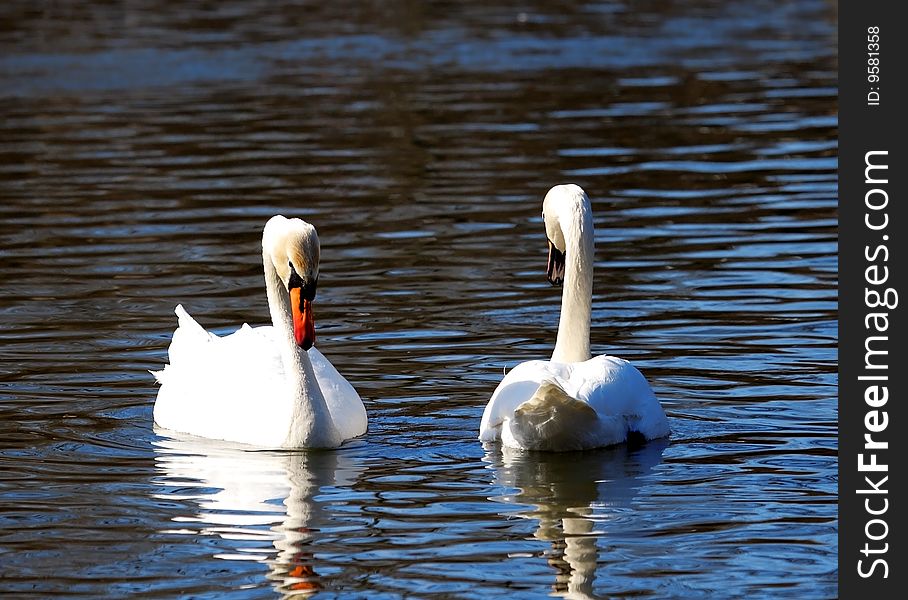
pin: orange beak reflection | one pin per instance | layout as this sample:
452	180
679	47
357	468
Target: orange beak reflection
303	321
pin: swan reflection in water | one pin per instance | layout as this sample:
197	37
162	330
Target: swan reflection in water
572	495
262	502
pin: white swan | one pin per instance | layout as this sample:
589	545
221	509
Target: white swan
572	402
263	386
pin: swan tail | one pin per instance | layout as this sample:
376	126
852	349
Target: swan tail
186	345
188	331
187	323
158	375
553	420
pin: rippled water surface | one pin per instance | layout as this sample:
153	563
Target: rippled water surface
142	148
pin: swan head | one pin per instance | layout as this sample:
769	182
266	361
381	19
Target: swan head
292	245
559	208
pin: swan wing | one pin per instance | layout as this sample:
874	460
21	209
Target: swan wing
222	387
517	387
617	389
548	405
344	404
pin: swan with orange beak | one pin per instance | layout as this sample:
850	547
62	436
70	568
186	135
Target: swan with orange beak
264	386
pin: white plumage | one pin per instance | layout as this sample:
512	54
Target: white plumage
546	405
572	402
258	385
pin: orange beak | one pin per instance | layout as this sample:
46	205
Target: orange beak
303	321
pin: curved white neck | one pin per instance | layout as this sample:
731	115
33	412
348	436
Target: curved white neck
311	425
573	342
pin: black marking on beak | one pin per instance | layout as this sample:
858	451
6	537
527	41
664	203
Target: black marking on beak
554	270
307	286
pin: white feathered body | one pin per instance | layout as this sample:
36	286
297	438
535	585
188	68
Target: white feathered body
235	387
547	405
572	402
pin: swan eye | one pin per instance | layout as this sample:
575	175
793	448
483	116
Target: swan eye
308	285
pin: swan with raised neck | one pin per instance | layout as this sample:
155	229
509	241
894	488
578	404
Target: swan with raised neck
573	401
568	219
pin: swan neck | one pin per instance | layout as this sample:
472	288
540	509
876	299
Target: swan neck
573	342
311	425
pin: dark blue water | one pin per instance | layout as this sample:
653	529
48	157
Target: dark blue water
142	148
